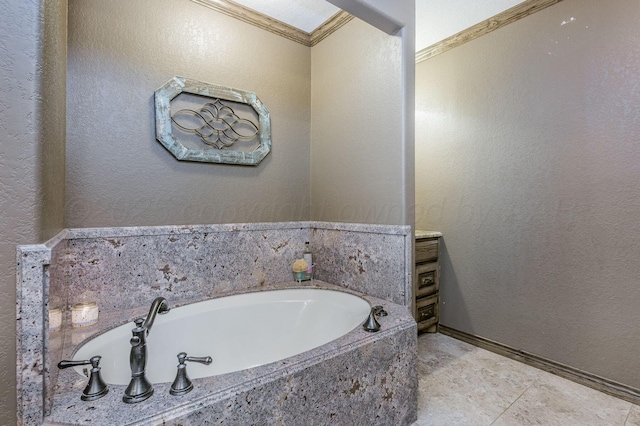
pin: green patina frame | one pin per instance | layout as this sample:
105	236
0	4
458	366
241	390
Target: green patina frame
165	94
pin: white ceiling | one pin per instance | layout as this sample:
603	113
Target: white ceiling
306	15
439	19
435	19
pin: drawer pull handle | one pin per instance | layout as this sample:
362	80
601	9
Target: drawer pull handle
427	312
426	281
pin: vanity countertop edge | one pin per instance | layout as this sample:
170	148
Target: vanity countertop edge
428	234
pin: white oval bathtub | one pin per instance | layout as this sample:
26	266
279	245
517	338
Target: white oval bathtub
238	332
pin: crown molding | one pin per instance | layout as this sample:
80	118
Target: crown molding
257	19
329	27
522	10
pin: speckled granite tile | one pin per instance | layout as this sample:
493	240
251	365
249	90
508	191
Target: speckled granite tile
124	268
57	299
363	227
136	231
37	280
365	258
553	400
128	271
372	370
31	299
365	386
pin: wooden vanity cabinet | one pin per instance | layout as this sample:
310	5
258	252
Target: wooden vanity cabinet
427	281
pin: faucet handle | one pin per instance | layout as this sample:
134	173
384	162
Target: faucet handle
66	363
182	384
206	360
379	311
96	388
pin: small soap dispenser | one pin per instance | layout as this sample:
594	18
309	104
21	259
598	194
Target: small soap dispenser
307	255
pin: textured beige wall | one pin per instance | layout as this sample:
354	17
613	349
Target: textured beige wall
117	173
32	40
53	113
528	161
357	127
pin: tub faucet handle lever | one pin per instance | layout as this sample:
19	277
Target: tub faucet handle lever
206	360
96	388
379	311
182	384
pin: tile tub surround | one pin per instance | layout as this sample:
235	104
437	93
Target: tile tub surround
125	268
363	258
352	380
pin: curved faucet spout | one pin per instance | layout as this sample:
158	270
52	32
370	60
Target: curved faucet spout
159	306
139	387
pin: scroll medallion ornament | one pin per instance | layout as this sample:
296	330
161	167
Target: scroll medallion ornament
211	123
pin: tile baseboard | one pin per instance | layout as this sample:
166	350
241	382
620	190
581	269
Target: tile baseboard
584	378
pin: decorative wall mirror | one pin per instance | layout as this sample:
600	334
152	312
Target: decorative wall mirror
198	121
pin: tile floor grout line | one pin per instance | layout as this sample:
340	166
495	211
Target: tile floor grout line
540	394
516	400
628	414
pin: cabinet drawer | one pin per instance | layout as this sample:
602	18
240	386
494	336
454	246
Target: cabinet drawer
427	309
429	326
426	251
428	281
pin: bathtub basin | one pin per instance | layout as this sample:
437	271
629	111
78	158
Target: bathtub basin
238	332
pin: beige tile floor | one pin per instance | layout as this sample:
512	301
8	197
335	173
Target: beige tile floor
460	384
